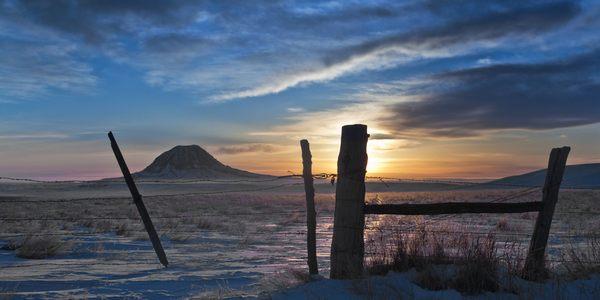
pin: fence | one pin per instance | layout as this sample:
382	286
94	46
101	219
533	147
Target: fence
347	246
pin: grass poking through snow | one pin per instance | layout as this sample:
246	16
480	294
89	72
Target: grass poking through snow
475	260
38	247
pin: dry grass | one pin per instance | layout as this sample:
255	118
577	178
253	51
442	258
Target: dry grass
121	229
222	292
581	262
253	216
283	280
39	247
478	266
503	224
476	259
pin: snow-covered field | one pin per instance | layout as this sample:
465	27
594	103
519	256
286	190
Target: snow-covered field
402	286
246	243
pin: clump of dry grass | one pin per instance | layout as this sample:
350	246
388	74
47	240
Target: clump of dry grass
503	224
283	280
210	223
581	262
224	291
478	266
121	229
431	279
179	237
400	251
475	259
38	247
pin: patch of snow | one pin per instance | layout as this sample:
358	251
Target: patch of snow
401	286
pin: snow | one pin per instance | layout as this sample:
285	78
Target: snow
400	286
229	258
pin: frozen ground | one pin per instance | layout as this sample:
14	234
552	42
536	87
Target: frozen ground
230	244
401	286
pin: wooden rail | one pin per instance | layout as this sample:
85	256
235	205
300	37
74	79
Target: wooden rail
452	208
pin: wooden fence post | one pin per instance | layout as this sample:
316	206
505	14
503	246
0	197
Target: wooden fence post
347	246
137	199
311	214
534	263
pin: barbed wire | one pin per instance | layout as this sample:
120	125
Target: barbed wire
383	179
461	258
85	199
324	236
528	190
77	218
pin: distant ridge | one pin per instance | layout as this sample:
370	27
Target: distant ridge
191	162
584	175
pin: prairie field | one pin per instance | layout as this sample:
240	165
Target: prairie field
231	239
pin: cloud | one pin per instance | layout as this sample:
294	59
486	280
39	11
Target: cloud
522	22
30	68
252	148
545	95
173	42
485	61
391	50
33	136
227	50
96	21
295	109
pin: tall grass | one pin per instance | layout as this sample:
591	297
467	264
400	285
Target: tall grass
581	262
38	247
475	258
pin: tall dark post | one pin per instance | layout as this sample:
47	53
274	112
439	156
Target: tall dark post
534	264
311	214
347	246
137	199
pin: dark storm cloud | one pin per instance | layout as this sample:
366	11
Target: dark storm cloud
521	21
512	96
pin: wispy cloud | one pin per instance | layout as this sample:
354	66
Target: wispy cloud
31	68
230	50
295	109
249	148
33	136
394	49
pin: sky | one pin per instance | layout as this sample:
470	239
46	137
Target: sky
448	89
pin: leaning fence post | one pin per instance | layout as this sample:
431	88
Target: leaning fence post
534	263
311	215
137	199
347	246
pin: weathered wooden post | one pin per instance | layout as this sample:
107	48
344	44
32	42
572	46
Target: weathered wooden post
347	246
137	199
311	214
534	263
